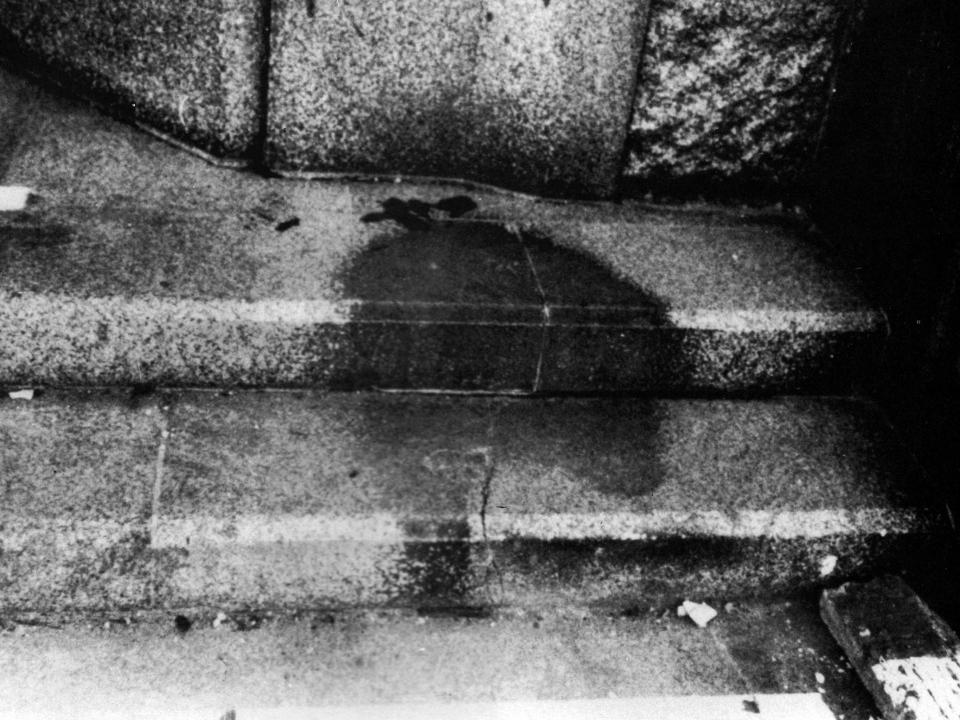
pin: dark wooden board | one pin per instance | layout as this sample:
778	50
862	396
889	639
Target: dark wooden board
906	655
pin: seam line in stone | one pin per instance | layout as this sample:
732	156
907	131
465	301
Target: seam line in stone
158	479
544	308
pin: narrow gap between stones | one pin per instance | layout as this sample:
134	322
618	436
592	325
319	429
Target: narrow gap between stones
259	160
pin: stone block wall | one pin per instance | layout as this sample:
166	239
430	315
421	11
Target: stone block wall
533	95
538	95
732	96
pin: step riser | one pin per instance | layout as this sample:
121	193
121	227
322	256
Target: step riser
171	343
57	572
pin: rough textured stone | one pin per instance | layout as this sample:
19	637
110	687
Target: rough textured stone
77	477
304	499
139	263
615	357
387	665
394	482
734	94
528	95
190	70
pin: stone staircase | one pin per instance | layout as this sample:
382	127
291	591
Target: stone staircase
263	393
402	335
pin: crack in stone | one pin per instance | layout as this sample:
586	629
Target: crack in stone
486	489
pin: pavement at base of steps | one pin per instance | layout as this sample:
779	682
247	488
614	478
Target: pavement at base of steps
775	657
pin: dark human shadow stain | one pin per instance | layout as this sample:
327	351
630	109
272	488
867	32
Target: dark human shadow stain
434	451
418	215
446	257
442	270
439	259
432	254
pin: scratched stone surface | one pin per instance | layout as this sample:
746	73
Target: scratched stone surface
734	93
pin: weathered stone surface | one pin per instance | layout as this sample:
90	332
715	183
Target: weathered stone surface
75	499
528	95
302	498
190	70
734	93
395	665
142	264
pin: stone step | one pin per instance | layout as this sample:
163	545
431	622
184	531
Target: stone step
306	499
141	264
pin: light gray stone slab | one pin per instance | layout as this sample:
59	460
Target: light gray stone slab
534	96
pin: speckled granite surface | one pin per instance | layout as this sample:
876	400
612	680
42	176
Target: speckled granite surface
330	499
190	70
534	95
141	263
734	93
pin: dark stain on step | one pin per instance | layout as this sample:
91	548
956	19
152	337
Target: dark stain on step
459	612
285	225
34	235
471	303
448	256
439	262
419	215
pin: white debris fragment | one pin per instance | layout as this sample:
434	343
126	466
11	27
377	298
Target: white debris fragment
821	678
828	564
700	613
14	197
21	394
219	620
864	632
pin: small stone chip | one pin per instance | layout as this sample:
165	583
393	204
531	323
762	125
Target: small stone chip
14	197
828	564
700	613
21	394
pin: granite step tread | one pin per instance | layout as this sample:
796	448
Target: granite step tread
139	263
337	499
